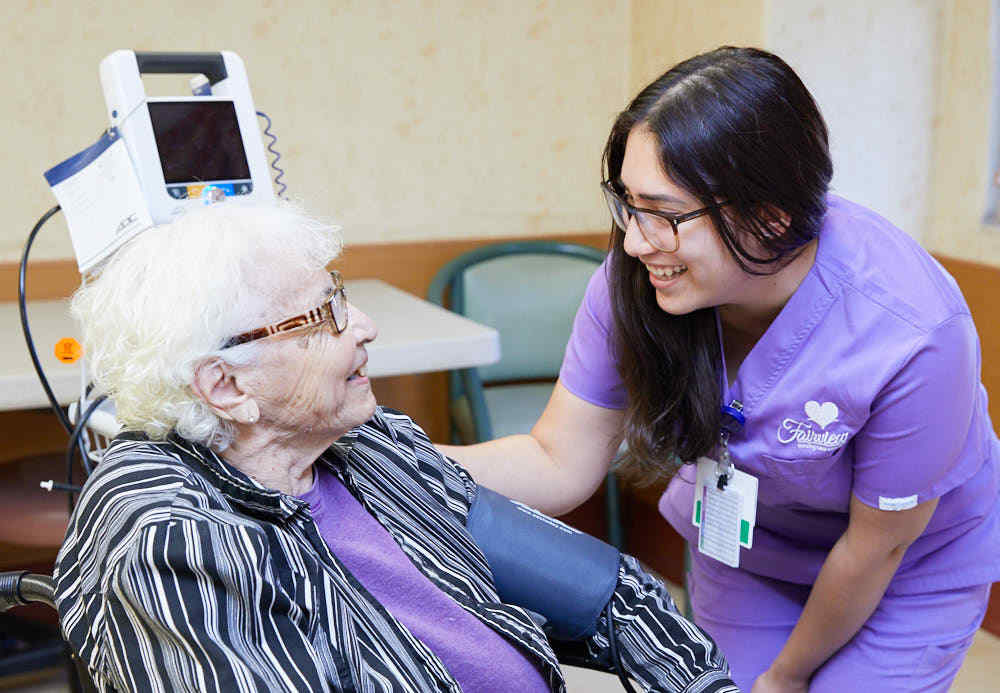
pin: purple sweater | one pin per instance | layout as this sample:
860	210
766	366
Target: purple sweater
478	657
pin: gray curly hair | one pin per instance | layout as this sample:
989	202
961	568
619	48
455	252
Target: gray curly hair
171	297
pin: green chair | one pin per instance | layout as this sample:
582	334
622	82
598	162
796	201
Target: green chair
529	291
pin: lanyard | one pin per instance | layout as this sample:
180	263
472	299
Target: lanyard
732	422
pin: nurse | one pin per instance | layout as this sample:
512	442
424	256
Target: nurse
816	372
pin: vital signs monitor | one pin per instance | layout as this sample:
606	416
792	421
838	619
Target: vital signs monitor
181	144
162	155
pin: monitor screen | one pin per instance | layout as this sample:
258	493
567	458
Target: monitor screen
198	141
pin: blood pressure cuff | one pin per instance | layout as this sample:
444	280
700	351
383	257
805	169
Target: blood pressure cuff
544	565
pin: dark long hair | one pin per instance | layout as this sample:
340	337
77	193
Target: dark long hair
733	124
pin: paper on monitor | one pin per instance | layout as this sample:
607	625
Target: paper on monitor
100	195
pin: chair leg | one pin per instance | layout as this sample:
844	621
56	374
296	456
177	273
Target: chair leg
613	512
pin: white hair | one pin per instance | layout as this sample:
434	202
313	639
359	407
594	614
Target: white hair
171	298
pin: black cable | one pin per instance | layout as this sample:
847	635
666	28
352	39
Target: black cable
60	414
76	441
613	646
74	432
59	486
71	496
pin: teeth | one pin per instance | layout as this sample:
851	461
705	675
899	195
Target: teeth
666	272
360	373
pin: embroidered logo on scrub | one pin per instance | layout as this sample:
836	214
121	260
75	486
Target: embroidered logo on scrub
812	434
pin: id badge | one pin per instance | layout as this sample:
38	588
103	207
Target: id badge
746	484
719	533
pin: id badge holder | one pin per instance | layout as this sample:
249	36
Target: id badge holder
725	500
719	532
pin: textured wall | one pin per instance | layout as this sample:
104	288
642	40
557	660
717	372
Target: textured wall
962	133
402	120
872	68
437	119
904	85
666	32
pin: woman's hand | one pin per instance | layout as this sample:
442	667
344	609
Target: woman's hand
773	682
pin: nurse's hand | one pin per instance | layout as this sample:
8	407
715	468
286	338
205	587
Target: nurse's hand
772	682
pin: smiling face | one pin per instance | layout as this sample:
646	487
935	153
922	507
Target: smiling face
701	273
313	381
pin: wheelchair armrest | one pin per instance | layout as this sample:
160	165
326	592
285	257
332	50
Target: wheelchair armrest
21	587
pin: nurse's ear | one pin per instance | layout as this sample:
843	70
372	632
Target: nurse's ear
775	219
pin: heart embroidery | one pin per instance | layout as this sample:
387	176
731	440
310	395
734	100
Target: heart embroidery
823	414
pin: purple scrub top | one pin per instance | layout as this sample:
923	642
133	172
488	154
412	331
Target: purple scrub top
867	383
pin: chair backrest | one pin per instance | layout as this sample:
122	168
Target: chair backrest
529	291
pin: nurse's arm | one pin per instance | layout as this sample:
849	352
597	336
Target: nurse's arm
850	585
558	465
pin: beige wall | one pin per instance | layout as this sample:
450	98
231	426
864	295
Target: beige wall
441	119
878	102
402	120
961	137
665	32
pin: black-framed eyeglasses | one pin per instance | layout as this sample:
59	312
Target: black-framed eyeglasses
333	310
658	228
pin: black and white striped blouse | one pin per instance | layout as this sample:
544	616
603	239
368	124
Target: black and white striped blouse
181	573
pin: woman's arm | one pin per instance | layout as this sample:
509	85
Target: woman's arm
558	465
850	585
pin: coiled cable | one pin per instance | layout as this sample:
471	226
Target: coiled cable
275	153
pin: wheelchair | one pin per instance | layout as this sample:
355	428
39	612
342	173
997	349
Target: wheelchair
18	588
95	428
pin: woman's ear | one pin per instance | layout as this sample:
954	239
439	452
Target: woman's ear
777	220
215	384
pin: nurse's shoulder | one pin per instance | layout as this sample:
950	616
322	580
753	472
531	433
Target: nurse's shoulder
879	265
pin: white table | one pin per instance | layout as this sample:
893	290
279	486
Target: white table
414	337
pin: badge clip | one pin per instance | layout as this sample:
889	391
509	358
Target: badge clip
732	422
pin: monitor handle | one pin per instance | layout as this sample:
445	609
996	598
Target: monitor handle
209	64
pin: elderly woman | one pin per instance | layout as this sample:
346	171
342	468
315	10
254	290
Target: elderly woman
261	525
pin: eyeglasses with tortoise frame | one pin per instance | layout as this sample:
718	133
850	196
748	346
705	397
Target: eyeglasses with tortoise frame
333	310
658	228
